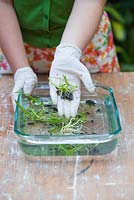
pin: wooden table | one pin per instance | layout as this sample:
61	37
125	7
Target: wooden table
69	178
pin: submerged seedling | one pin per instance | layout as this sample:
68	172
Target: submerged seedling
36	111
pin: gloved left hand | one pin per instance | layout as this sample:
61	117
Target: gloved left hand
24	78
67	63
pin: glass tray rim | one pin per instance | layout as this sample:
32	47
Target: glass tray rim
58	139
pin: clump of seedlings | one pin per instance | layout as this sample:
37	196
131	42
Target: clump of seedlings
37	111
65	89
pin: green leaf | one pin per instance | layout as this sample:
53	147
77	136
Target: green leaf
119	31
115	14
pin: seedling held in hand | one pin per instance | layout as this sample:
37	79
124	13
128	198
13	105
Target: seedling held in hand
65	89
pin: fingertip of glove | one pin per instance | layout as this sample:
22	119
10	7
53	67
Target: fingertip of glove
67	108
14	98
74	114
53	98
91	89
53	94
60	106
27	90
60	111
88	83
86	78
74	107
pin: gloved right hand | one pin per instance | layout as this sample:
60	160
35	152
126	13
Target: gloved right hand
24	78
67	63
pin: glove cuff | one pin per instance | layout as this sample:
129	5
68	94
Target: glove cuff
69	49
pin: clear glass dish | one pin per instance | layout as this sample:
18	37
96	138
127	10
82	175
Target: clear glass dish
100	139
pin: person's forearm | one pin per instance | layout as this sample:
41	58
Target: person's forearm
83	22
11	41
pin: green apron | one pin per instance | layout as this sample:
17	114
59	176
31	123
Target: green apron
42	22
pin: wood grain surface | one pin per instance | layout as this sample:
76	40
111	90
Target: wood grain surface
109	177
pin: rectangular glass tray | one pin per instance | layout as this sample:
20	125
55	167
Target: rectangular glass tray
103	126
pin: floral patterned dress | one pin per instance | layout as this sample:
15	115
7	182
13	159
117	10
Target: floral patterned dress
98	56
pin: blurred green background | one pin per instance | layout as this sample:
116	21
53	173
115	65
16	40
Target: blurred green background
121	14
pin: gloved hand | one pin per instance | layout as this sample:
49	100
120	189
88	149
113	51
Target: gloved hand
67	63
24	78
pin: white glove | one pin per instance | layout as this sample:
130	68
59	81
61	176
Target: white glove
25	79
67	63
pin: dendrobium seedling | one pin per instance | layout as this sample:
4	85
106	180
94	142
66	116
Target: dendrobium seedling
65	89
36	111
